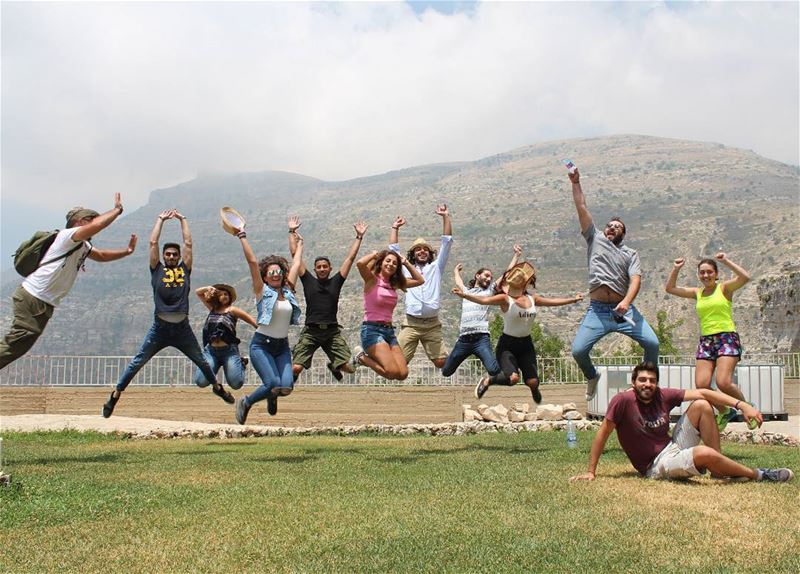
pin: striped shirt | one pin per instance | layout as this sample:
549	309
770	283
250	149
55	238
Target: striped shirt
475	317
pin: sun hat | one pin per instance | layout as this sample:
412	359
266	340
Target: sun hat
419	241
516	279
225	287
232	220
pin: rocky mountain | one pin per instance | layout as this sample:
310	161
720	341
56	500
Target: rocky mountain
678	198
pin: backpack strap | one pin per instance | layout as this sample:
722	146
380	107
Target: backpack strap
62	256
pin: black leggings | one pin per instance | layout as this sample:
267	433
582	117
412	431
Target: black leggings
515	353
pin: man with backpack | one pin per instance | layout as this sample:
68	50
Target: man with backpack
52	262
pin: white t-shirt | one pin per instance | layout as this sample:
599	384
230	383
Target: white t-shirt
51	282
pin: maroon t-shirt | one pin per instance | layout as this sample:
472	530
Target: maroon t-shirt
643	429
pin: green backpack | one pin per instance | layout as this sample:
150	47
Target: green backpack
28	256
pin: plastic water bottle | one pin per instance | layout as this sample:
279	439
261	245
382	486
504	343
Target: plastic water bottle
572	436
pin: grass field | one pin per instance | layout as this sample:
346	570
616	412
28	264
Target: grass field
481	503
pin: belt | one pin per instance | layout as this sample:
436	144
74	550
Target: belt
378	324
473	336
434	318
323	326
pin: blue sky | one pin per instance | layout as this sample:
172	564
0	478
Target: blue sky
101	97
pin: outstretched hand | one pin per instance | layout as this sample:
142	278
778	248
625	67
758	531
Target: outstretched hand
118	201
517	249
578	297
132	243
442	211
584	476
457	291
574	177
360	227
459	268
398	222
294	223
166	214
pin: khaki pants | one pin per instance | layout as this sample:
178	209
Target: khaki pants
416	330
30	318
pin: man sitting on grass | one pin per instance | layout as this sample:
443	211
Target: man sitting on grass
641	418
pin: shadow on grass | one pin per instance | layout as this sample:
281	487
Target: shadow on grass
105	457
288	459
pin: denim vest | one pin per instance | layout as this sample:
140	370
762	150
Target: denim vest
265	305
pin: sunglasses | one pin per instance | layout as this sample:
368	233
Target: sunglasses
615	226
274	272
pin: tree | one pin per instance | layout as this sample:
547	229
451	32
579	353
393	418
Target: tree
546	345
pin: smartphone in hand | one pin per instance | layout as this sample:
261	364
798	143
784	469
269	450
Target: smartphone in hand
571	167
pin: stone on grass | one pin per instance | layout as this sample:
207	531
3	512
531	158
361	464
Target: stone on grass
550	412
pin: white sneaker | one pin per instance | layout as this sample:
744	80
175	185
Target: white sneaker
591	387
358	352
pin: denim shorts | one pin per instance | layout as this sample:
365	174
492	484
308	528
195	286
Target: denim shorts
719	345
371	335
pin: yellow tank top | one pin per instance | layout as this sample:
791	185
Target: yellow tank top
714	312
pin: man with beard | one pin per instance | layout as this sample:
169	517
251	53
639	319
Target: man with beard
641	418
473	337
615	276
170	282
421	324
321	292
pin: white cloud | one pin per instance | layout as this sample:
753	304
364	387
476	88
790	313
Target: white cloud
99	97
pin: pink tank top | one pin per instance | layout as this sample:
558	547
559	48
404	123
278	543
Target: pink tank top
380	301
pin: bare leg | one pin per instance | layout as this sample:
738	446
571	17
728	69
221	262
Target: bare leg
383	360
701	415
720	465
703	370
725	368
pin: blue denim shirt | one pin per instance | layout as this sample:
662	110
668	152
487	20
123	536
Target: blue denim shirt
265	305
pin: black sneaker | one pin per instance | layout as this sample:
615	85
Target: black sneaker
337	374
108	407
481	387
226	396
537	395
242	408
776	474
245	361
272	405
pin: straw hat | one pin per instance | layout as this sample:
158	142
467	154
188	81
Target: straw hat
516	279
232	221
420	241
225	287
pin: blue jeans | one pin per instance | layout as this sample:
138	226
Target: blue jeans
599	322
226	357
161	335
477	344
272	360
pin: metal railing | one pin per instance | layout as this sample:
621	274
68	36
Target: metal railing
163	370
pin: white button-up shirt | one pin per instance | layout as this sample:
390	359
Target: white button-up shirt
423	301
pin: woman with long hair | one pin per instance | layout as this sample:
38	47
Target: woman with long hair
719	348
515	351
273	284
220	343
382	273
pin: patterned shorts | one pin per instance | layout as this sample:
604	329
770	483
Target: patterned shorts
719	345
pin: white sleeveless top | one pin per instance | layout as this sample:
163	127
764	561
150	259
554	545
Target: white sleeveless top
517	322
278	327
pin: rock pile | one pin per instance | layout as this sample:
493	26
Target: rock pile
519	413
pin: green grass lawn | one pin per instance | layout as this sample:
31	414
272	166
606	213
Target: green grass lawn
480	503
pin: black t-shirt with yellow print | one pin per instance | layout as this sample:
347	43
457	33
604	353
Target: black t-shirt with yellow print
170	288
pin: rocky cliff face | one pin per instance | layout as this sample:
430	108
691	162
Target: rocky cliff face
779	299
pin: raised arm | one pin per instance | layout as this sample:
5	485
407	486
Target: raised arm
297	261
100	222
365	265
515	259
584	217
444	213
498	299
106	255
294	225
416	278
394	234
556	301
244	316
672	288
204	294
155	235
741	279
361	229
598	444
457	277
186	255
252	263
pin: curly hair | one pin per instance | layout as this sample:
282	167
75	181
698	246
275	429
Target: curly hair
478	272
410	255
397	280
281	262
